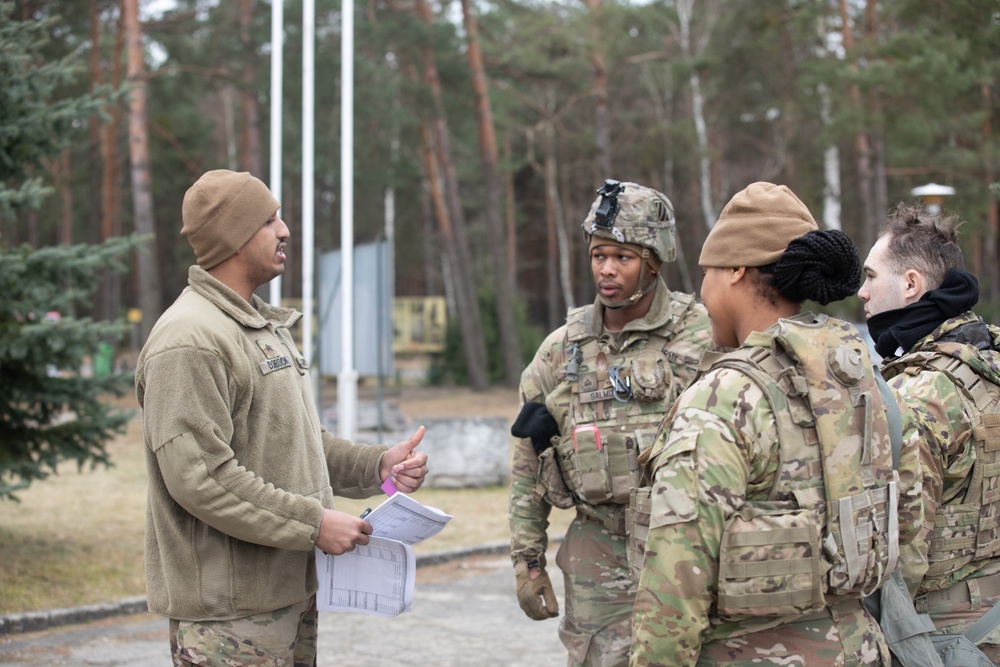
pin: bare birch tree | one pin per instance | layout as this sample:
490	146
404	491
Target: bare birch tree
691	52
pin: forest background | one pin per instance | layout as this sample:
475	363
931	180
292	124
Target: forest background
484	128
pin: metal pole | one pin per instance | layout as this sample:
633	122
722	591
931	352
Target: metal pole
277	63
308	142
347	381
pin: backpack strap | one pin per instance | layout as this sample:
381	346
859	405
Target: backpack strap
892	415
907	631
986	623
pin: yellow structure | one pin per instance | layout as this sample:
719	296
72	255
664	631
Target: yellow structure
419	323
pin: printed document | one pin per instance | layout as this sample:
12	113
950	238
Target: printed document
379	578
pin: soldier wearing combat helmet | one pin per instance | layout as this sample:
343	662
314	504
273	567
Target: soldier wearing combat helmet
592	398
637	218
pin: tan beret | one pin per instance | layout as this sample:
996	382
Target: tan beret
756	226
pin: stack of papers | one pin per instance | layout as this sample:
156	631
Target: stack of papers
378	578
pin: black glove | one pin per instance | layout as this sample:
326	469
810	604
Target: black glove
535	422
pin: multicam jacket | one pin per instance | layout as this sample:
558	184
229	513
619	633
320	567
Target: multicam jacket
741	550
949	384
657	355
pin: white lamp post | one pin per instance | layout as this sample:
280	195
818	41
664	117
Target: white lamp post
934	195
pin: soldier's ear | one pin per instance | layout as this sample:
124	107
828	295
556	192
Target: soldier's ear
914	285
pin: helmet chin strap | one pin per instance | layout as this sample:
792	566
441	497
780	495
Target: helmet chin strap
640	291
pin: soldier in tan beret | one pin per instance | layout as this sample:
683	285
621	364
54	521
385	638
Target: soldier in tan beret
241	472
768	504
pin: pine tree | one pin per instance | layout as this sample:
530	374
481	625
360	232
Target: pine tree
49	412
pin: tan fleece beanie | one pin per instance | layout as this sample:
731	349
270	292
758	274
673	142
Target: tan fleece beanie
755	227
222	211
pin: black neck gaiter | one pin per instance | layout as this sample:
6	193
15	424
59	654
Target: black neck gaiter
903	327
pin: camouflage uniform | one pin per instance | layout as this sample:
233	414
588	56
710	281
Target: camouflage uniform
285	637
748	456
599	588
949	383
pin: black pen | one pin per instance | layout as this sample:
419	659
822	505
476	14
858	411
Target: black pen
366	512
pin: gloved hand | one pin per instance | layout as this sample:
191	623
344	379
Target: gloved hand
535	594
535	422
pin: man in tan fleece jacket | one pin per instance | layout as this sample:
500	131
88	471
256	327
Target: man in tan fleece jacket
241	472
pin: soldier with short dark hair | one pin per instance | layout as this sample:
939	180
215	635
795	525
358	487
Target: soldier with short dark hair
242	474
591	402
943	361
768	506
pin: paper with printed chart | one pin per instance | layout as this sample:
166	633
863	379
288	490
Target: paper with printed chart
378	578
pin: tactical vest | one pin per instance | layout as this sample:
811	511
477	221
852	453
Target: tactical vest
966	531
828	530
612	404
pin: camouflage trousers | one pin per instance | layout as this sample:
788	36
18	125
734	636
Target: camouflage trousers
596	627
282	638
817	641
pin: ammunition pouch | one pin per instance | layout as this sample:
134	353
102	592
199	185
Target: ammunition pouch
551	482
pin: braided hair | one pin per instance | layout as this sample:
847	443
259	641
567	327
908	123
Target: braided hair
821	266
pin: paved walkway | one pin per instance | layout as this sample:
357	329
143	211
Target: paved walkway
465	614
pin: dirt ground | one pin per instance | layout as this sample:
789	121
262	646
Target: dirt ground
458	402
417	402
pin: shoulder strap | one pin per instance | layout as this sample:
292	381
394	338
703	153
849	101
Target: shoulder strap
906	632
986	623
579	322
892	415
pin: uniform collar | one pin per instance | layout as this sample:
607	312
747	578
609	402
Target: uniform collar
254	315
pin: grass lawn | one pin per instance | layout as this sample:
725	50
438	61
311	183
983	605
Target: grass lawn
77	537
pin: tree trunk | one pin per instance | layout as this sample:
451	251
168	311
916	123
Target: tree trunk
104	308
94	146
684	10
831	165
142	195
862	147
555	312
457	290
992	219
111	224
250	155
64	176
602	124
472	330
503	285
510	211
558	219
880	186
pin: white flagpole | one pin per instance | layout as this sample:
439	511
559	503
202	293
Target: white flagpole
347	381
277	63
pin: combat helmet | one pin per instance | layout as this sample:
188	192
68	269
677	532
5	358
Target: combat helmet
632	213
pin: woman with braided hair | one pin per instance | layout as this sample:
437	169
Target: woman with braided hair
768	502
